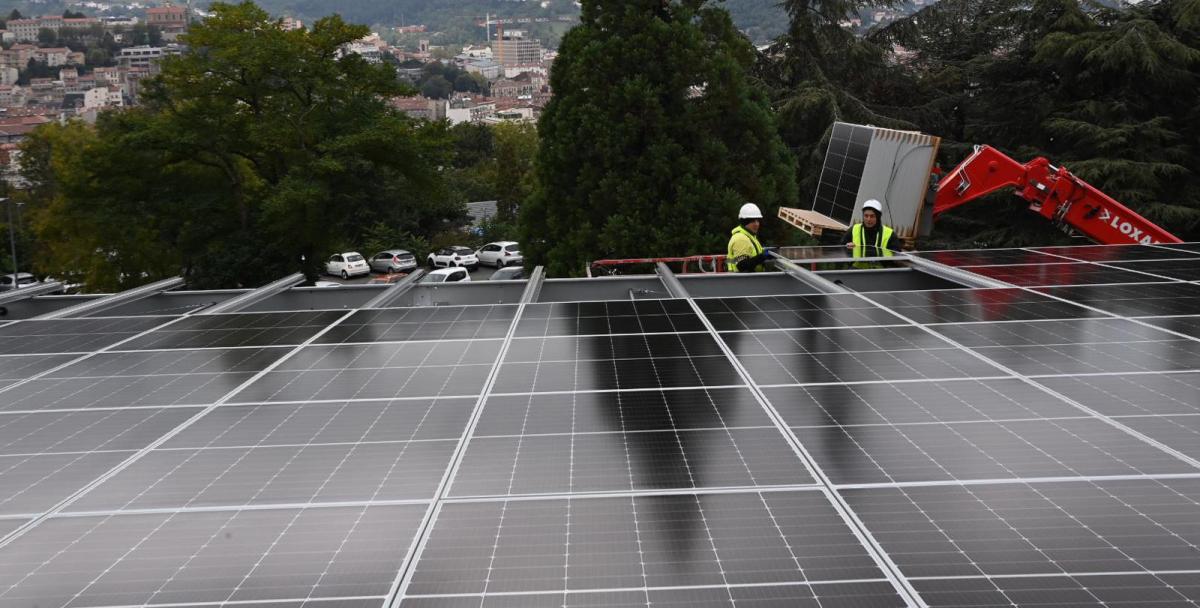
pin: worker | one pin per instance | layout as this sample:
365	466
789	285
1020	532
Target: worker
870	238
745	254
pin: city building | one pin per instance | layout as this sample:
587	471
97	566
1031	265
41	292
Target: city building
484	67
146	56
172	20
513	48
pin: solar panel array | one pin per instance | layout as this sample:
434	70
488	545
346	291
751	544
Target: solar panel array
1027	446
842	172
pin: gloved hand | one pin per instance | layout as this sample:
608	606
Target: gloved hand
750	264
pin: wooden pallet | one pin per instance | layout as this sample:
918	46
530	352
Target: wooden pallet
810	221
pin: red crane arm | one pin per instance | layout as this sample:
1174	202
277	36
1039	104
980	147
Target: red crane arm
1052	192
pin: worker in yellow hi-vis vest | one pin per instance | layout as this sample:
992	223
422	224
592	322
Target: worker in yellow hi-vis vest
870	238
745	253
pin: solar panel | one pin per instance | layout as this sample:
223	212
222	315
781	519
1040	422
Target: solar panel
943	447
845	159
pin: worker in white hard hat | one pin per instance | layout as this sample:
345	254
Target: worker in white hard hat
745	253
870	238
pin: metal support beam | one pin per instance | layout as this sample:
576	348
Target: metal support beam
670	281
809	277
397	289
955	275
533	287
254	296
39	289
92	307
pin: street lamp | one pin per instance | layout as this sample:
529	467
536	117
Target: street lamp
12	243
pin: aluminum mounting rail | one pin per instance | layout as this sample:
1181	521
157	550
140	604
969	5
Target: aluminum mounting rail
808	277
397	289
254	296
533	287
92	307
954	275
22	293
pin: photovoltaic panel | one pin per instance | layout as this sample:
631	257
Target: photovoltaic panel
13	369
1179	432
1097	358
170	362
1189	325
120	391
613	362
87	431
1117	253
888	403
620	411
243	329
638	542
837	190
1078	273
988	257
1046	333
874	594
983	451
1116	590
430	323
959	305
33	484
608	317
1186	269
1043	528
788	312
851	355
377	371
279	475
72	335
1135	300
208	557
613	462
325	423
1130	394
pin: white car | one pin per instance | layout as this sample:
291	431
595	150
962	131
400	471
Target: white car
453	257
346	265
500	254
448	275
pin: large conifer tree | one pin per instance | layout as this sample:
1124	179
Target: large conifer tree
654	137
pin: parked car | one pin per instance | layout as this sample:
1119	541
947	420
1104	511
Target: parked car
23	279
448	275
451	257
393	260
512	273
500	254
346	265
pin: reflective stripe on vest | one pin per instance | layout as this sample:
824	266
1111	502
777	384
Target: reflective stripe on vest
882	239
732	257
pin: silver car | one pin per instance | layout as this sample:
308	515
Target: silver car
393	260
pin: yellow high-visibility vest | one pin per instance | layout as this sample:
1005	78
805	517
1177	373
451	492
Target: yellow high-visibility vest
882	239
742	245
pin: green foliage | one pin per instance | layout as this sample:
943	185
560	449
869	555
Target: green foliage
257	148
653	140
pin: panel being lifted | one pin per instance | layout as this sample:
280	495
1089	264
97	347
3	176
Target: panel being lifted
863	163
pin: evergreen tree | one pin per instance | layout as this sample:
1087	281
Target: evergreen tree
653	140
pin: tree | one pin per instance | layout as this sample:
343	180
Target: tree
437	87
256	148
47	37
15	14
466	84
653	140
69	14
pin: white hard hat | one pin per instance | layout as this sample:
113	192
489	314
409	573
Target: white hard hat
749	212
873	204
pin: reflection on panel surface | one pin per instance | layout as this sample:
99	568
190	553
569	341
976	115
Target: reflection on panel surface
216	557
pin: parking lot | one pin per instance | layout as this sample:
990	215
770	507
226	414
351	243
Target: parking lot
480	273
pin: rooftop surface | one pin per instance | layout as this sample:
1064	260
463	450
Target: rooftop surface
1023	433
